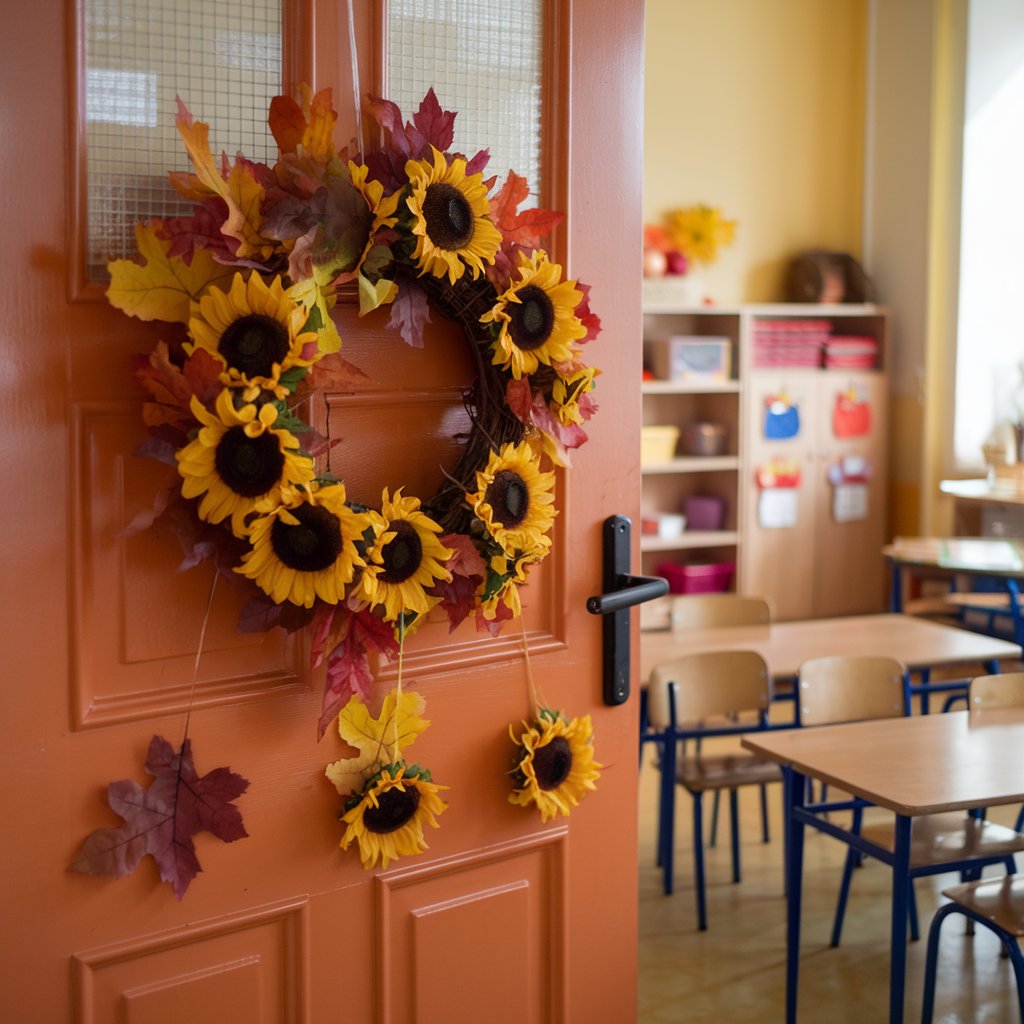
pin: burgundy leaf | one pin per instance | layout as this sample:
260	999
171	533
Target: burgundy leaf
437	126
409	312
163	819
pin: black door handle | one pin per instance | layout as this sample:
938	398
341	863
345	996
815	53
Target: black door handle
631	590
622	591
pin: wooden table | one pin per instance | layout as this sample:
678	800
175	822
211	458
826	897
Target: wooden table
997	558
918	765
919	644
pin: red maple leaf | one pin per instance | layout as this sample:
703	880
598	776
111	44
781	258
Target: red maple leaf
348	665
163	819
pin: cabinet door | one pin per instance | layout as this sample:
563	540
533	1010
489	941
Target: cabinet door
850	484
777	550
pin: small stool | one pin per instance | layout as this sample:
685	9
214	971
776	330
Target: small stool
996	903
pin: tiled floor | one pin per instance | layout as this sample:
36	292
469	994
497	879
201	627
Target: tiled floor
735	971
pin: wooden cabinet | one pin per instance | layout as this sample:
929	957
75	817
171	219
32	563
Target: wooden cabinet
803	480
668	484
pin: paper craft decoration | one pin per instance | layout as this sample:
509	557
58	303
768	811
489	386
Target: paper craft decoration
851	416
781	418
849	477
777	506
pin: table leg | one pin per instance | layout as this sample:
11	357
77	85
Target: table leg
795	787
896	588
901	883
1015	614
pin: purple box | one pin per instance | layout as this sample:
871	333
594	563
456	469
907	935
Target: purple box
703	512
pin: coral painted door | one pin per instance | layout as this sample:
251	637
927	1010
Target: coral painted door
503	918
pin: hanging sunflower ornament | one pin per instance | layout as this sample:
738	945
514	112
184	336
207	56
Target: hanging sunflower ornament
554	764
246	285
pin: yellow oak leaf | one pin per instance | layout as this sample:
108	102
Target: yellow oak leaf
164	286
196	136
245	198
312	297
374	294
377	739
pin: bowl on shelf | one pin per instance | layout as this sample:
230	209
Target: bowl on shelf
703	438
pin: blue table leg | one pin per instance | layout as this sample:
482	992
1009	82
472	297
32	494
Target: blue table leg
795	786
1018	623
900	894
896	588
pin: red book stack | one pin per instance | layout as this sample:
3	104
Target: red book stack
851	352
789	343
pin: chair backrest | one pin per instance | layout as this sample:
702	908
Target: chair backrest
708	685
850	688
701	611
1001	691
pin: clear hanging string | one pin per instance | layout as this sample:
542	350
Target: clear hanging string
537	701
199	655
395	750
357	96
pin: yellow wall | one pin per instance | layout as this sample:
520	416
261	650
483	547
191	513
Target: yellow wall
758	107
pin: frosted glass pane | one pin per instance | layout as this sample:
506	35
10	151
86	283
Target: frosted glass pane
484	60
223	59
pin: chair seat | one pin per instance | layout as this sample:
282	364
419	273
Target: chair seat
947	838
1000	900
725	771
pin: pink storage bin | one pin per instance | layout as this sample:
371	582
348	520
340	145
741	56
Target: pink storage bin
697	577
703	512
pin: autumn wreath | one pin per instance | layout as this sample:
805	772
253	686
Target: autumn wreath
252	275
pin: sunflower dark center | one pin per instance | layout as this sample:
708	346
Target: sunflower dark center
395	807
532	317
311	545
249	466
448	216
403	554
552	763
509	498
252	344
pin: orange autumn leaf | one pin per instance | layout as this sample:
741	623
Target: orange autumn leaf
163	286
309	125
240	190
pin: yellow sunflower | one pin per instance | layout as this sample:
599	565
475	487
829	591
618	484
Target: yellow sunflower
255	331
404	560
554	763
567	391
381	206
388	818
240	462
306	549
501	585
451	225
538	318
515	500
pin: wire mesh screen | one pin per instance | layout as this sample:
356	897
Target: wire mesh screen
223	59
484	60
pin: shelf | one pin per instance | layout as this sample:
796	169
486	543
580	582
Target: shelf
689	387
690	539
693	464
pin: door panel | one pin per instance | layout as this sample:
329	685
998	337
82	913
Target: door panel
100	631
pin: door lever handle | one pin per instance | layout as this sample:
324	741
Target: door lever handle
622	591
630	590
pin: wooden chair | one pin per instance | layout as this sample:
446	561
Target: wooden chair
998	691
860	688
719	693
996	903
707	611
